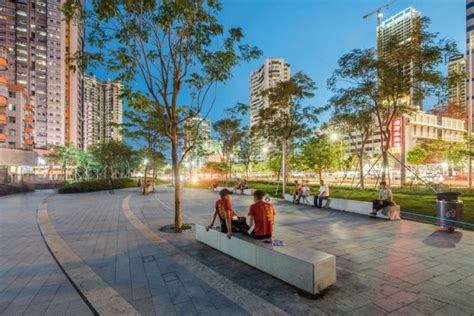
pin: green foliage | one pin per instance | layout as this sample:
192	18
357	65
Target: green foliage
416	156
230	132
392	85
115	157
287	117
97	185
165	47
321	154
219	168
457	154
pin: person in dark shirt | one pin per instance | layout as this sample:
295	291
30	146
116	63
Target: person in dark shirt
223	209
261	217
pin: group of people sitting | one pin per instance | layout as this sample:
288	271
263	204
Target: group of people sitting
259	220
302	193
241	186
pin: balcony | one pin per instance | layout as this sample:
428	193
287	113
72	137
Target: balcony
3	138
3	63
3	119
29	142
28	108
28	119
29	130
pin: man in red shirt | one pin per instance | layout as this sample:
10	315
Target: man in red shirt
224	210
261	216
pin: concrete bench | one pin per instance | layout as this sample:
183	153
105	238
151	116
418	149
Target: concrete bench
353	206
307	269
246	191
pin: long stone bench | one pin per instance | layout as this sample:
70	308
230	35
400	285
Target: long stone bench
307	269
353	206
246	191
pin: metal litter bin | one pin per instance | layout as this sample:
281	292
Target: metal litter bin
450	210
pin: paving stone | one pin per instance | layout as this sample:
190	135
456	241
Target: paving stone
396	301
383	267
370	309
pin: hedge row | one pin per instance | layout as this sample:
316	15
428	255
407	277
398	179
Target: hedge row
7	189
97	185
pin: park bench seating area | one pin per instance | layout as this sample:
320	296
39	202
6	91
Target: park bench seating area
353	206
309	270
246	191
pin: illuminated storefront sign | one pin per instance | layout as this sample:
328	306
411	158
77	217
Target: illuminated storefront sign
397	135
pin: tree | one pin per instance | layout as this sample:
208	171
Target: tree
61	155
247	152
286	117
457	154
436	150
393	84
230	132
87	164
416	156
164	47
115	157
144	126
320	154
355	121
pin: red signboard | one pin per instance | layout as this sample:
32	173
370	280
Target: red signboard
397	135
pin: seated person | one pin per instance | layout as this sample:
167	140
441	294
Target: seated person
261	217
215	184
384	199
305	191
236	186
297	192
322	195
243	186
224	210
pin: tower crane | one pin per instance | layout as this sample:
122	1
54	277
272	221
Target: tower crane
379	13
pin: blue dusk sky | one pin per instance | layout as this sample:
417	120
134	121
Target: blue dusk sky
312	34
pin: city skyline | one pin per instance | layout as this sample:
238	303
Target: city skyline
316	34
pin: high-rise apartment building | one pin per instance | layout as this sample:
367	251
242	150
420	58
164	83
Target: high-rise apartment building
39	41
457	80
266	76
103	107
16	115
470	48
400	28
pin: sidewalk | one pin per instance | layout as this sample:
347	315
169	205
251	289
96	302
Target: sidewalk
383	268
30	280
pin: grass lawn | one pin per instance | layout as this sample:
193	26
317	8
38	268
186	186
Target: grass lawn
418	202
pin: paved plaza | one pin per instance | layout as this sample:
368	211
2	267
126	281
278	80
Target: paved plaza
111	247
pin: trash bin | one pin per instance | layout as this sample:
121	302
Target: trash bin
450	210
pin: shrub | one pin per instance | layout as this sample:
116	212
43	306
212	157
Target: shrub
97	185
7	189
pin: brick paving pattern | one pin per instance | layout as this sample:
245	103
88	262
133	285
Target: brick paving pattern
383	268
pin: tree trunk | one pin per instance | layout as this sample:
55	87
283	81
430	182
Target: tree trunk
178	209
144	180
361	171
384	166
320	174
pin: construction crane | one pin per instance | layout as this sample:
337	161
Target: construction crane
379	13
